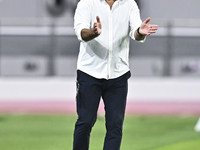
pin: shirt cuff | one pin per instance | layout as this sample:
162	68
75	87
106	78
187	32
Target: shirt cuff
78	33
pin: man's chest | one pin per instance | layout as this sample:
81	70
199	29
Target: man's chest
110	3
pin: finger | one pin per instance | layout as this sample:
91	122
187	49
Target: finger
95	25
153	31
154	27
148	33
147	20
98	19
95	30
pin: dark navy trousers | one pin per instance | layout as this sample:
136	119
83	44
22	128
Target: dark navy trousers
89	92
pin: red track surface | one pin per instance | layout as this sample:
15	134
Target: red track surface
133	108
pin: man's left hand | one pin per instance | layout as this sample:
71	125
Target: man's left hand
146	28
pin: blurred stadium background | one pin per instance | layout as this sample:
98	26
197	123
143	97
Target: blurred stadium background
38	53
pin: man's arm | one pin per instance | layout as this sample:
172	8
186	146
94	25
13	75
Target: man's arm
138	35
144	30
89	34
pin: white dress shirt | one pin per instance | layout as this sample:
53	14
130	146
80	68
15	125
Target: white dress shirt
106	56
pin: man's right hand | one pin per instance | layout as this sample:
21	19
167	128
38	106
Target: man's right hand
89	34
97	26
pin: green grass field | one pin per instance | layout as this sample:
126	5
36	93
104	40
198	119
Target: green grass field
55	132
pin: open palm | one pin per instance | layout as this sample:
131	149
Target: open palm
146	28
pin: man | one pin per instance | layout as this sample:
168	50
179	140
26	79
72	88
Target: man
104	28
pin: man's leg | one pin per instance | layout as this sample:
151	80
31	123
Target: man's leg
115	102
88	98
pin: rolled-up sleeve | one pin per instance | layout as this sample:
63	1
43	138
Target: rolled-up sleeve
82	18
135	21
